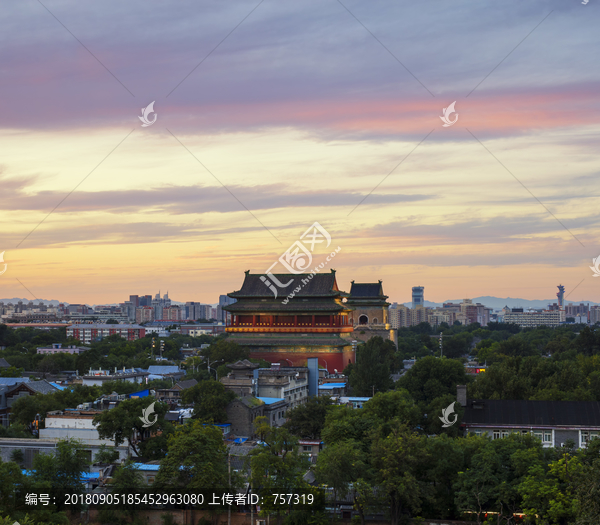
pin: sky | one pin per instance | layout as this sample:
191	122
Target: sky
274	115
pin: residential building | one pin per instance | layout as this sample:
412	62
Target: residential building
144	314
287	383
58	348
87	333
99	377
532	319
242	412
78	424
574	310
553	422
313	322
173	394
310	448
594	315
165	372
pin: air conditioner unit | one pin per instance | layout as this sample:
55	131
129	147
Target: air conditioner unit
562	444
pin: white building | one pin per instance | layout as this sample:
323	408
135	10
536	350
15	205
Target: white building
78	424
532	319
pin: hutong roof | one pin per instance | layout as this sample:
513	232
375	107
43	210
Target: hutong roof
532	413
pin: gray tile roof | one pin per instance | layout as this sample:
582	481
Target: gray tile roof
187	384
13	380
321	284
4	363
532	413
42	387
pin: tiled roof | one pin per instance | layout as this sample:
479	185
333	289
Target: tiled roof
8	381
42	387
163	369
320	285
187	384
364	290
4	363
533	413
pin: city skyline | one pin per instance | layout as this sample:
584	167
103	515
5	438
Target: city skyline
302	113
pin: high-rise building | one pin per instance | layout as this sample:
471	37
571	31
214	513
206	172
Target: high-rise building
418	298
134	300
561	295
144	314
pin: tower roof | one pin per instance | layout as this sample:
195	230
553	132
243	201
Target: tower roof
258	285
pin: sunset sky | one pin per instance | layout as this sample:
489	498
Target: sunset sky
273	115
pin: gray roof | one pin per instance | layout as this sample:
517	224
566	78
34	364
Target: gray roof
532	413
4	363
187	384
42	387
164	369
13	380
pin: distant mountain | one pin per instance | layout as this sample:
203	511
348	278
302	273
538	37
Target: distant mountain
497	303
15	300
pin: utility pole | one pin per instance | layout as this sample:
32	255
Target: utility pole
229	467
441	348
373	390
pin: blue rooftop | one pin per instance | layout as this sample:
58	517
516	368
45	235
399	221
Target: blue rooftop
145	466
55	385
270	400
329	386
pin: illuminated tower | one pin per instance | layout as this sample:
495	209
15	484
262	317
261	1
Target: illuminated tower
560	294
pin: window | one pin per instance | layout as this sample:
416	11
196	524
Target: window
586	435
307	448
150	480
547	436
478	433
505	433
496	434
538	434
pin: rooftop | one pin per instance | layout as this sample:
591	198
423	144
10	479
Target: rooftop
532	413
319	285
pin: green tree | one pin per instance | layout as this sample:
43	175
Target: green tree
63	469
308	419
397	459
549	493
124	423
342	467
11	371
431	377
371	372
106	455
277	467
196	459
210	400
